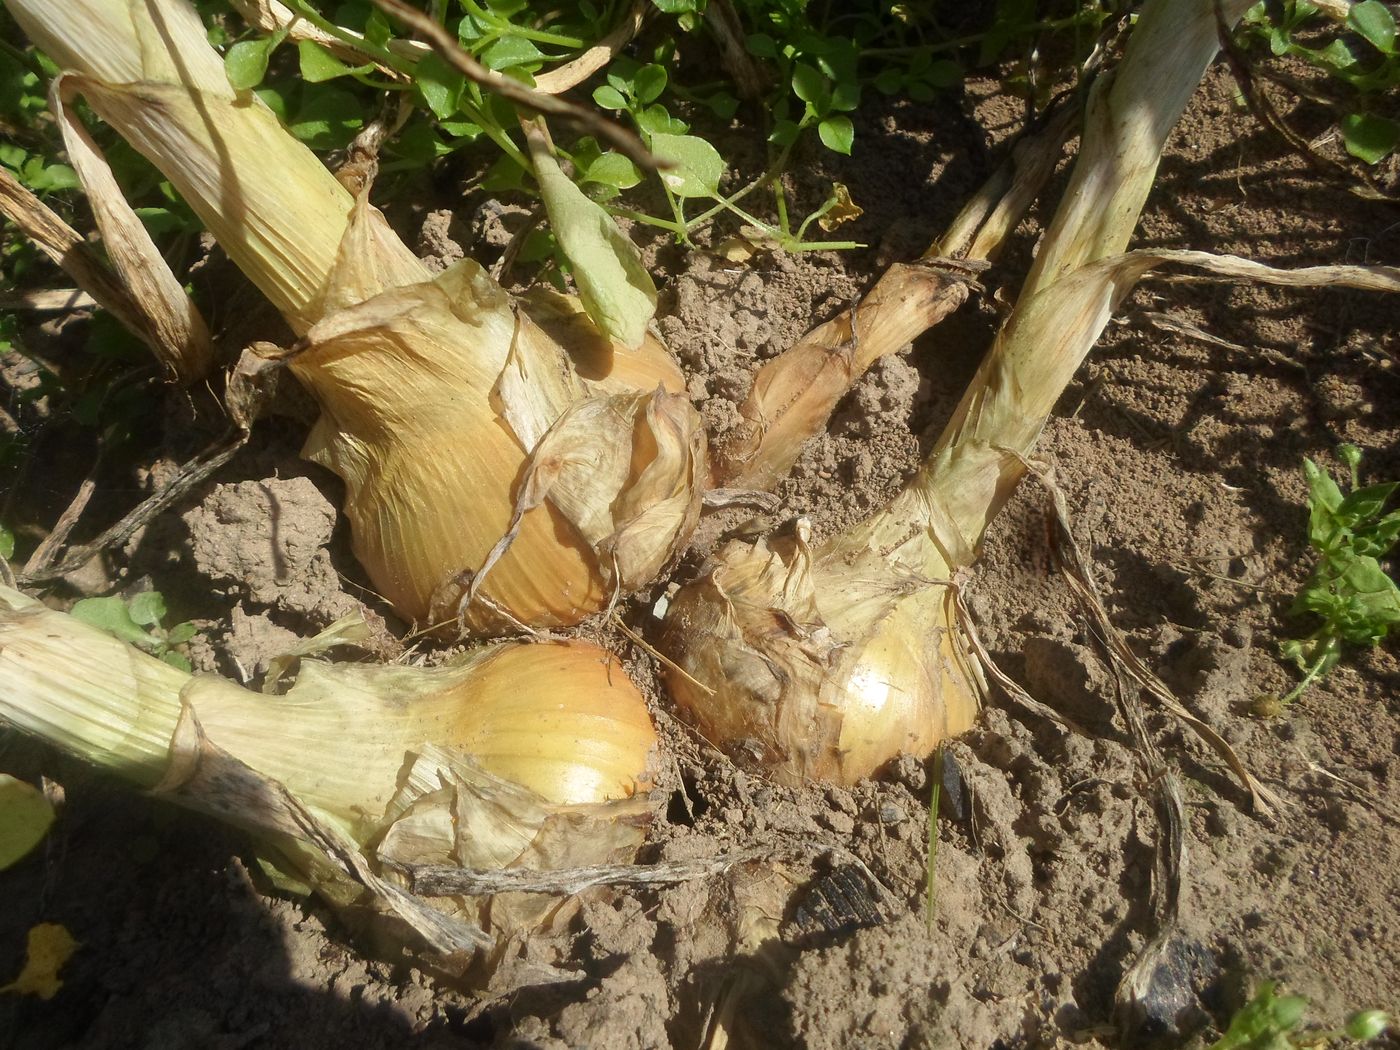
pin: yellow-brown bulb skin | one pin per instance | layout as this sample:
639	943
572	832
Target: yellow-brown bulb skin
447	412
562	719
806	669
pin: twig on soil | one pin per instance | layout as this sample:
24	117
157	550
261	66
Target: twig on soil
47	300
439	880
984	225
1134	999
192	474
1168	322
1349	791
48	548
656	654
1008	685
750	78
1081	584
517	240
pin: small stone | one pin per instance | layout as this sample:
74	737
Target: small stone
891	813
841	823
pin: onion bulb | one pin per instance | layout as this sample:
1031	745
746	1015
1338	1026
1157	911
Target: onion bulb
534	755
493	476
826	661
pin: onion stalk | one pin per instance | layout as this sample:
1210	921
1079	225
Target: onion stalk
499	758
825	661
436	391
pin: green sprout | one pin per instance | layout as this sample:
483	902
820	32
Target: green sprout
1270	1021
1356	602
138	621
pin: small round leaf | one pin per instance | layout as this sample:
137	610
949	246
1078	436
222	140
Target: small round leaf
25	818
1369	137
609	97
837	133
698	165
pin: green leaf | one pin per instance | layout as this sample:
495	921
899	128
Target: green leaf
328	120
274	100
837	133
12	156
177	660
809	85
613	169
319	65
1351	456
615	287
25	818
378	31
464	130
439	85
942	74
1373	20
1365	1025
846	96
162	220
416	145
889	80
49	178
181	633
147	608
622	72
7	543
1262	1022
762	45
503	175
1293	650
1377	538
723	104
677	7
1365	504
246	62
1337	57
1370	138
649	82
511	51
1324	497
921	91
609	97
654	120
1378	599
111	615
698	165
784	133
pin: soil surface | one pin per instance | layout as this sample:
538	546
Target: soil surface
1179	451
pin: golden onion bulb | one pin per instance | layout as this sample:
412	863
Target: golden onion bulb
807	665
495	476
561	719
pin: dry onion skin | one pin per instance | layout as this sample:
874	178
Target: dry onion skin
826	661
438	393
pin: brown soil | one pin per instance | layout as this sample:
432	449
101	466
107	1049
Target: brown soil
1180	459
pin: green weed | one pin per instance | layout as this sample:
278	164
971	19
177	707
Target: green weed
1270	1022
1348	591
1362	60
138	621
